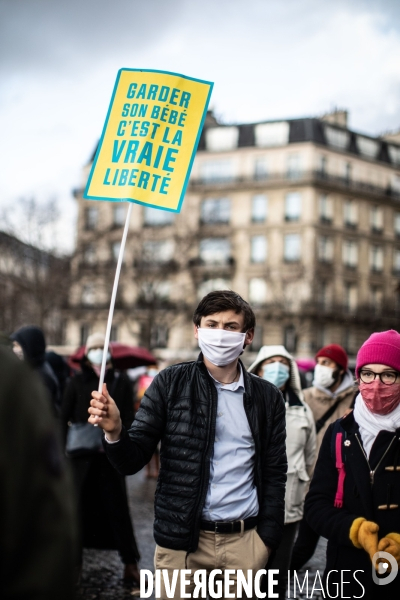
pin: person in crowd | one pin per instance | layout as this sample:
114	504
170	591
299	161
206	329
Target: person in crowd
60	369
330	397
101	490
29	344
152	467
38	529
354	496
220	493
275	364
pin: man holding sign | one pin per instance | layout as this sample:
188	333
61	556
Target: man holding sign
220	494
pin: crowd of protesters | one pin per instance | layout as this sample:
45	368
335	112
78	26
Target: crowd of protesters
217	431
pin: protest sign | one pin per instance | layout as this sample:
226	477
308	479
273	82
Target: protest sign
147	148
149	139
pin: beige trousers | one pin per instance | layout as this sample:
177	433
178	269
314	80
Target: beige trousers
215	551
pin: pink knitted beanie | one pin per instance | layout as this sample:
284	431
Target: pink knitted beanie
380	348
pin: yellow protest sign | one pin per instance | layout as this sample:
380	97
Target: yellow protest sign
149	139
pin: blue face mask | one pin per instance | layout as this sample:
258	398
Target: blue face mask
276	373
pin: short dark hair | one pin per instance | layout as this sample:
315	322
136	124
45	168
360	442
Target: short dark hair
219	301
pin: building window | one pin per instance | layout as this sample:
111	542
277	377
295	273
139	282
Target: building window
347	170
258	249
376	258
159	336
325	248
325	206
158	252
350	254
350	297
395	184
290	338
323	294
261	169
257	342
376	300
84	332
293	170
119	213
292	206
215	210
115	249
271	134
155	217
210	285
114	333
376	219
396	261
91	218
215	251
89	254
219	139
367	147
350	214
292	247
217	171
88	294
394	154
338	138
259	208
257	290
322	165
397	224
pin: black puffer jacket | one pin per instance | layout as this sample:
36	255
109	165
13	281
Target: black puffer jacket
179	408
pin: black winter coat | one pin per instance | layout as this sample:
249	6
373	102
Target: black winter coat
78	394
179	407
363	495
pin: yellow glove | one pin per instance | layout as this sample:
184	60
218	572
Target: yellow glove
364	534
391	544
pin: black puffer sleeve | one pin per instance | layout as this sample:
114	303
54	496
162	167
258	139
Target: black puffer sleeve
137	445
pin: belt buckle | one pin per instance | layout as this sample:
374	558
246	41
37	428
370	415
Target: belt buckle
216	526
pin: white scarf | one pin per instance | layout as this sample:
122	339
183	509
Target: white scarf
371	424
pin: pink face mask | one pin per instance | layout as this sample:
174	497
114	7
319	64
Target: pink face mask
379	398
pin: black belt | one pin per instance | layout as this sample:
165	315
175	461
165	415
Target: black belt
228	526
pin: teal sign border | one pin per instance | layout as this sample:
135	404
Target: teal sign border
85	195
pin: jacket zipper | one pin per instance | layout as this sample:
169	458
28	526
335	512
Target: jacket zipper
256	450
373	471
205	477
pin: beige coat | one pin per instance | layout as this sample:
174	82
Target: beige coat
320	401
300	437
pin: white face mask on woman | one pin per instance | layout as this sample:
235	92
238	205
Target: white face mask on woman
323	376
95	355
219	346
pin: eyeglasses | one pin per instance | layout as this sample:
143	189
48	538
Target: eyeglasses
387	377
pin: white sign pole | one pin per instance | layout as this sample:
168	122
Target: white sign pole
113	296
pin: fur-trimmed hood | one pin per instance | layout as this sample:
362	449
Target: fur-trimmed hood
269	351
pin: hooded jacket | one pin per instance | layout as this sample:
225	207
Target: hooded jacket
32	342
300	434
320	400
180	408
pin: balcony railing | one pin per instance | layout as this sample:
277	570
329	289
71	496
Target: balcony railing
304	177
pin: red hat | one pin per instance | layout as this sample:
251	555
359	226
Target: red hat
380	348
335	353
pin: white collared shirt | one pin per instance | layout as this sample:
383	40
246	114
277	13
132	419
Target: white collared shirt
232	494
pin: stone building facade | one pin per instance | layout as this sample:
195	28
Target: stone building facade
301	217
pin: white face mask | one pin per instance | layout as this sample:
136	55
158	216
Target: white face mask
219	346
323	376
96	356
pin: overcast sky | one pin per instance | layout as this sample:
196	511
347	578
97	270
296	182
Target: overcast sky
268	59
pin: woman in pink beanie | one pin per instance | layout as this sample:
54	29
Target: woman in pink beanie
354	498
